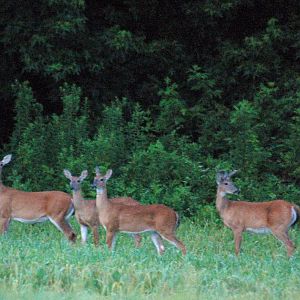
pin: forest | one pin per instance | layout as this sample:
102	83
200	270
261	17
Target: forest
165	93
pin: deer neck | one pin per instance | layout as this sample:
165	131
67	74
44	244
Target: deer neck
2	186
77	199
101	198
222	202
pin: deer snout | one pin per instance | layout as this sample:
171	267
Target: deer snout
237	191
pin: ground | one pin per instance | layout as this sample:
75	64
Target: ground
36	262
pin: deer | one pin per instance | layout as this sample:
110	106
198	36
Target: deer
35	207
158	219
275	217
85	210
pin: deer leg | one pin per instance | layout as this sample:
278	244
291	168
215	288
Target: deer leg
110	239
62	225
84	232
284	237
157	243
237	240
95	235
173	240
4	223
137	240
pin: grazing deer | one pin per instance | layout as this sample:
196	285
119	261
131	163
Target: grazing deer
274	217
86	212
159	219
35	207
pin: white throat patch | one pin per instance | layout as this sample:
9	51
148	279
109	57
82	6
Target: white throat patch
100	191
222	194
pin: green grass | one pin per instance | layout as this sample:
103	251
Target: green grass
37	262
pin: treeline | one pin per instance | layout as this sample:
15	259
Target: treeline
163	92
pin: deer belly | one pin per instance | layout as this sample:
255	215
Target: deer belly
31	221
136	231
261	230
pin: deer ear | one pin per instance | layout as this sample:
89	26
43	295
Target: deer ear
220	176
108	174
83	175
97	171
68	174
232	173
6	159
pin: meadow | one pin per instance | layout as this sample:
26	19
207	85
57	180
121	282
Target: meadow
37	262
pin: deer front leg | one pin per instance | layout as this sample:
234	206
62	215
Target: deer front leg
84	232
237	233
4	223
95	235
137	240
110	239
156	239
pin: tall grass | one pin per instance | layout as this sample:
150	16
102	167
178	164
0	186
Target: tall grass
37	262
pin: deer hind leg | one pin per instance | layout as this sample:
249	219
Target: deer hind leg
62	225
170	237
284	237
156	239
137	240
237	241
4	224
95	235
84	232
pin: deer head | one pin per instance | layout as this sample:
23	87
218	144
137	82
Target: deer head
100	180
75	181
225	184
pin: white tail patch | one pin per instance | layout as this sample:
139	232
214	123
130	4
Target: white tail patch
294	217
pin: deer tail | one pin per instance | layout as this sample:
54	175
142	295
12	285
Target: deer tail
177	220
297	208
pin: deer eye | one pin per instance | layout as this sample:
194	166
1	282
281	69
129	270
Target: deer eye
226	183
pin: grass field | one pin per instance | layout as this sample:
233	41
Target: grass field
36	262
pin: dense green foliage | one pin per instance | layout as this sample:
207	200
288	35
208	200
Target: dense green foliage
37	263
163	92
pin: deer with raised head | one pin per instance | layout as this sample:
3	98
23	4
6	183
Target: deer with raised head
35	207
86	212
274	217
159	219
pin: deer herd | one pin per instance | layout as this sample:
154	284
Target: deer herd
125	214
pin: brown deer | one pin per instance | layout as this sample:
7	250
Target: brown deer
274	217
86	212
159	219
35	207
